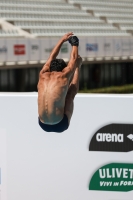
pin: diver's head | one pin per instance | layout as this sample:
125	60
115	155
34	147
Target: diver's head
57	65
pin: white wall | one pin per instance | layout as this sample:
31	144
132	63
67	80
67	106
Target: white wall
53	166
20	50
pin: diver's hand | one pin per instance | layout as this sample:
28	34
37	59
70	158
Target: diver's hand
67	36
74	41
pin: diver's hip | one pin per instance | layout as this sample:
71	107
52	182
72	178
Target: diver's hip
52	118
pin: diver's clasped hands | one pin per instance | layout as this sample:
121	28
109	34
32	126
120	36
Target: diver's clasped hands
67	36
73	40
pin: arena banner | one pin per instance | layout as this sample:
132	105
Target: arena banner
114	138
117	46
82	47
91	47
100	42
21	49
34	50
126	46
108	47
3	50
11	45
44	46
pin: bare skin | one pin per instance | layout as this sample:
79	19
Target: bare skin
72	91
56	91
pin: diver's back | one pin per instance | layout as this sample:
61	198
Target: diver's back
52	90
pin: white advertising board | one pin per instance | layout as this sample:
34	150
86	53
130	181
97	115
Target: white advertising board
91	47
3	165
91	160
126	46
3	50
40	49
108	47
53	42
34	50
131	45
65	51
12	55
44	45
100	42
22	49
82	47
117	46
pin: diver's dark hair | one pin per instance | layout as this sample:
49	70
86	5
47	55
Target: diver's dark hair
57	65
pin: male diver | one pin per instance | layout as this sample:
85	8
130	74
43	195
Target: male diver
58	84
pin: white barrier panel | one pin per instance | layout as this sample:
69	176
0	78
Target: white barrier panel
12	51
117	46
52	44
34	50
91	160
45	51
3	50
65	51
126	47
82	47
108	47
3	164
91	47
100	43
131	42
40	49
21	50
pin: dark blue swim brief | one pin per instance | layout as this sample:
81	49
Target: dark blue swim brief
58	128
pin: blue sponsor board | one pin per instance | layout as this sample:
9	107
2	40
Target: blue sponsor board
92	47
3	49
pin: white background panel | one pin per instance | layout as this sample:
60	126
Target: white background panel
45	51
82	47
3	50
34	50
126	46
100	42
65	50
55	166
3	165
53	42
11	52
23	49
117	46
91	47
131	45
108	47
20	49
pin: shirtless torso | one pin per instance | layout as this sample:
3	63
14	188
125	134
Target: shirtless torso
52	90
57	88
